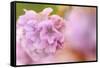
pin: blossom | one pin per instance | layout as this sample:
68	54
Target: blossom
38	34
81	30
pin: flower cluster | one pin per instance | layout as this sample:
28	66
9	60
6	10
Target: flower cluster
39	33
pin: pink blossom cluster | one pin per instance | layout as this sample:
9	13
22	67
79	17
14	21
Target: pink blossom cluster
38	36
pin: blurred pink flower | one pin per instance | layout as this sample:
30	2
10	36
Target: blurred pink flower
38	36
82	29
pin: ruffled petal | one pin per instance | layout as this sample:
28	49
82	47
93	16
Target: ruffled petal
46	11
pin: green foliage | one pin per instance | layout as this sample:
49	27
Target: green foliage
35	7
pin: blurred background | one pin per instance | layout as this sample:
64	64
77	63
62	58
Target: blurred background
57	9
79	31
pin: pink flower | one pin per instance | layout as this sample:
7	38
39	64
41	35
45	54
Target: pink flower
38	36
51	35
82	29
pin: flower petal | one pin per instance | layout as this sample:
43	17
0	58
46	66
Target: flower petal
46	11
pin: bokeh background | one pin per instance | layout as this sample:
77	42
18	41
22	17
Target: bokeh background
57	9
79	31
